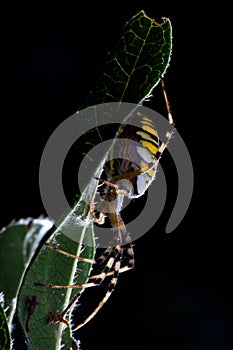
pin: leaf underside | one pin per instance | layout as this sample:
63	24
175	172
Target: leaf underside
140	59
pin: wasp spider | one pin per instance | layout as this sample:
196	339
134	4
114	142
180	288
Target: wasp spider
120	177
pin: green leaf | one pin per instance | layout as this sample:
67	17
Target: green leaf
18	243
139	60
4	331
50	266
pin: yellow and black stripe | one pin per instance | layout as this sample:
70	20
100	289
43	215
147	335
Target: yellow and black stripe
135	161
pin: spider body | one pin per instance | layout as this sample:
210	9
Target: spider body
132	177
141	145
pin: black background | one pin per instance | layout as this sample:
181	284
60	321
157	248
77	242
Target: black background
179	295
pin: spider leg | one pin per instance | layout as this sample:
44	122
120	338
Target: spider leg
98	278
128	247
129	261
103	257
170	119
127	250
91	261
59	316
107	295
119	226
99	220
